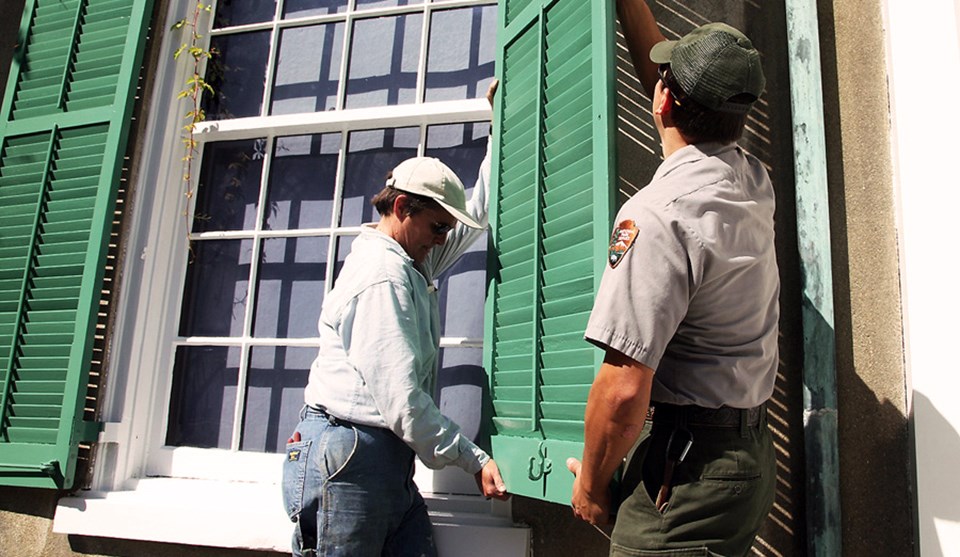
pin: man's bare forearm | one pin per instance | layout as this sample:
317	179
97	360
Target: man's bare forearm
616	409
641	32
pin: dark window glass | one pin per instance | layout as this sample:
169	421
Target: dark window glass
215	294
203	396
229	186
384	56
275	385
292	274
242	12
365	4
304	8
303	176
308	69
237	74
462	389
460	55
370	156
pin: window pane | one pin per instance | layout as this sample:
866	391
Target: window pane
236	74
364	4
292	274
229	186
463	289
462	388
203	396
303	176
461	147
308	69
304	8
460	56
370	156
384	55
242	12
275	385
215	295
463	286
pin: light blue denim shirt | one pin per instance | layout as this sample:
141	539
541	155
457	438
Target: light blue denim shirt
380	336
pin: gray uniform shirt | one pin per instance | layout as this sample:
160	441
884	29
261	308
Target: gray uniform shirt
691	289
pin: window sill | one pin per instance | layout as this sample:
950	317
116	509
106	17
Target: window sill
250	516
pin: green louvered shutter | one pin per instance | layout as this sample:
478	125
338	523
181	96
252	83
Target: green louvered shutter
64	123
551	210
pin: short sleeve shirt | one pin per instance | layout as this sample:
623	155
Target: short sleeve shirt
691	286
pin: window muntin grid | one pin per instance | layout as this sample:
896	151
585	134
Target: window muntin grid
280	214
319	56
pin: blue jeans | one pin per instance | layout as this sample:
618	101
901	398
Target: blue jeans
349	489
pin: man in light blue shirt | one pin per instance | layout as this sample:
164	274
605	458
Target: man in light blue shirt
348	475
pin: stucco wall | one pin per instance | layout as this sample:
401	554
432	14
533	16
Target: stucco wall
875	477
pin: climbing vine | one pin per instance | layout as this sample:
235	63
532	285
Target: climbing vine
193	91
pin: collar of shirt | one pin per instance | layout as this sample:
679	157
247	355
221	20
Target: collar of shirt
691	153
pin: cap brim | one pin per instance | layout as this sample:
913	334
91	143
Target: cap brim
461	216
660	53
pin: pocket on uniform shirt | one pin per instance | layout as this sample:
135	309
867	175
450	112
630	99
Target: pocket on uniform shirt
294	477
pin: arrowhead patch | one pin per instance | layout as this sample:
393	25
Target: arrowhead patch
621	240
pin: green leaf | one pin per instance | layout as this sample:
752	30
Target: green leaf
178	25
179	51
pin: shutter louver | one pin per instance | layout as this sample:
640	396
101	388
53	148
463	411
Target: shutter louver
65	120
551	210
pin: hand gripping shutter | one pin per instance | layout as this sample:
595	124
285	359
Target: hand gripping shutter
551	209
65	118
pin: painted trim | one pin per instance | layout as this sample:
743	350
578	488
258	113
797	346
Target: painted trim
813	236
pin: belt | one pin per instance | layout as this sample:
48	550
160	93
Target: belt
698	416
322	412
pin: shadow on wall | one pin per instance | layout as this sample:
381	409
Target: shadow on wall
940	436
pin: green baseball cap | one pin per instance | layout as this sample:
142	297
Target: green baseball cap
712	64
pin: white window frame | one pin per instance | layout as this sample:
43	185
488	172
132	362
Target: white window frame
140	489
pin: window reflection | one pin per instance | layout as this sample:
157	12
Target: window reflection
292	274
215	295
370	156
229	186
460	55
308	69
203	396
384	57
274	396
462	389
303	177
304	8
242	12
237	73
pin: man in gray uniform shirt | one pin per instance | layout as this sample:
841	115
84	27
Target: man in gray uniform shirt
687	312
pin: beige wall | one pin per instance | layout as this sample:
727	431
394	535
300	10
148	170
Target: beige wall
875	449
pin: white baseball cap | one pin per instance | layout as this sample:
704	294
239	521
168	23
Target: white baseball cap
431	178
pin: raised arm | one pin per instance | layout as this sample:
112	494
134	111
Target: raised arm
641	32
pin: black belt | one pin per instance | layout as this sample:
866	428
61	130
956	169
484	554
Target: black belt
698	416
322	412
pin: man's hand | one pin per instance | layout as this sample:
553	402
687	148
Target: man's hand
492	90
490	483
589	507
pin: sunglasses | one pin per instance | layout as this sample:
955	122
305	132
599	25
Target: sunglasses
440	228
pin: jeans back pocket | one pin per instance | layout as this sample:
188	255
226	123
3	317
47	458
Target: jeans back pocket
294	477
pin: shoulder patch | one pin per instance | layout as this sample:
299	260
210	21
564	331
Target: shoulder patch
621	240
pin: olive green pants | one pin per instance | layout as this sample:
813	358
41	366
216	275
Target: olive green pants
721	493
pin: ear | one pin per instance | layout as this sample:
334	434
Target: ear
666	101
400	205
